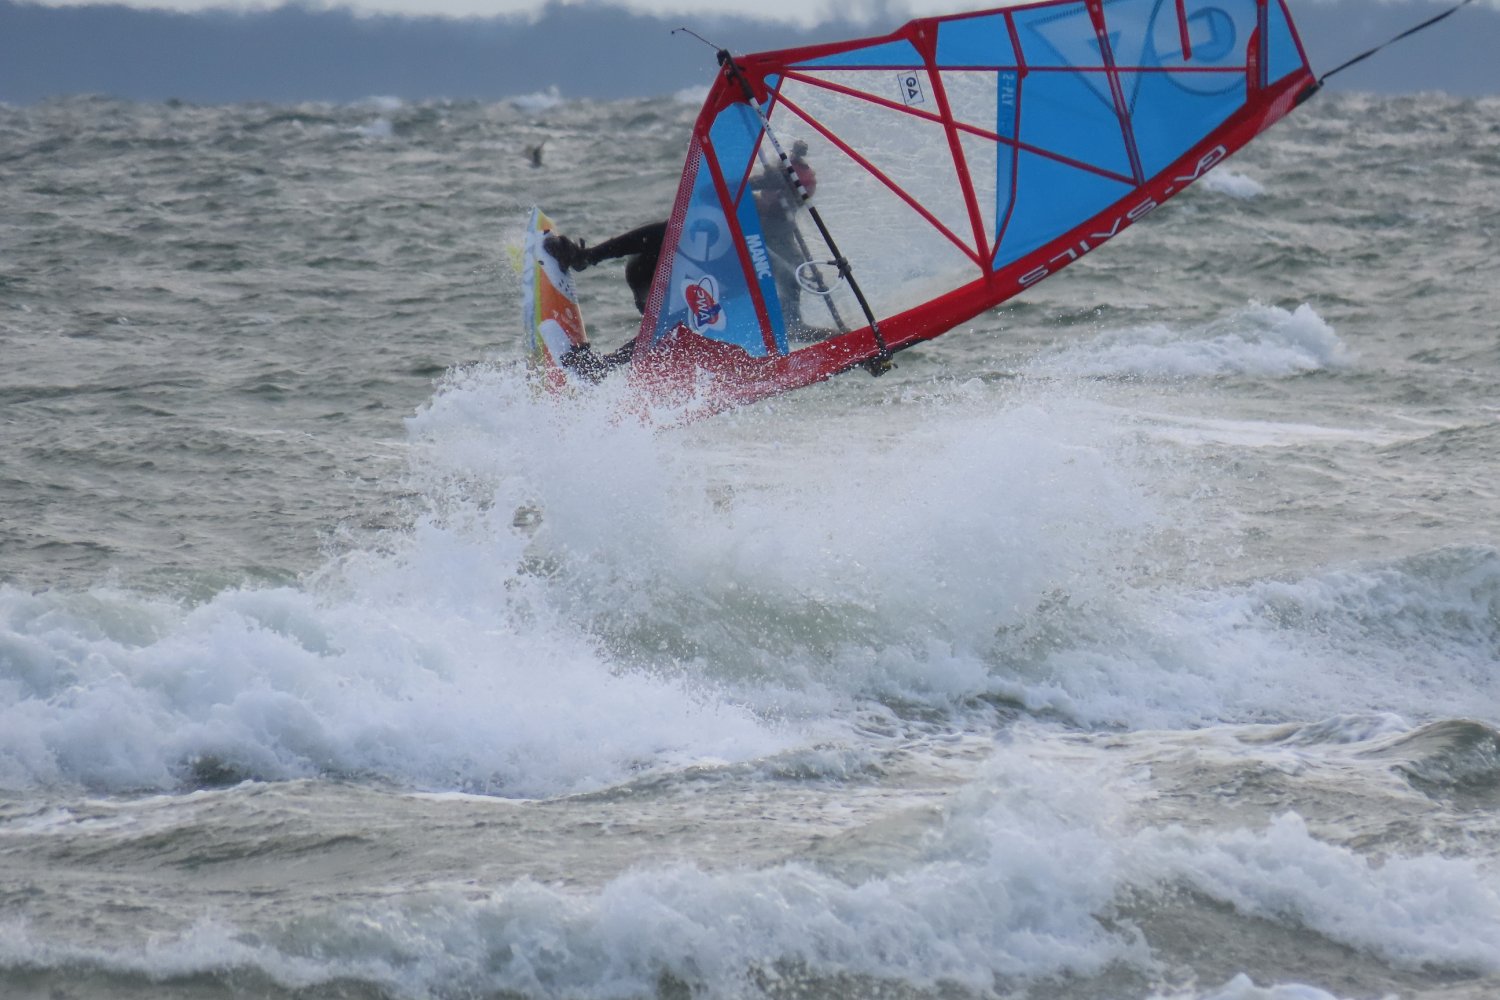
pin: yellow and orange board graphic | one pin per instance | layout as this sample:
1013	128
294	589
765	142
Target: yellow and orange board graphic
552	321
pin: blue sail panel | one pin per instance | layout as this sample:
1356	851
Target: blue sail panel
707	290
1175	111
1052	199
976	41
1283	56
898	53
1186	73
1063	115
1069	98
1059	37
734	136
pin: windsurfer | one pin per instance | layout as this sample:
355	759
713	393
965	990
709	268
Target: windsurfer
642	246
777	199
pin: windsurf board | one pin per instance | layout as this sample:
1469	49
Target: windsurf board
551	320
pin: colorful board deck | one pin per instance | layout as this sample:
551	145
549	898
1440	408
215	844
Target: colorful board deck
551	320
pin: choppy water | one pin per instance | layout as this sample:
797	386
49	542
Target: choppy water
1142	641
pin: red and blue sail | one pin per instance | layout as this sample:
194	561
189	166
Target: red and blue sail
950	165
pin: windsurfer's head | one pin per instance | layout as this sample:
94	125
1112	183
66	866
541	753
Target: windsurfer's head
804	171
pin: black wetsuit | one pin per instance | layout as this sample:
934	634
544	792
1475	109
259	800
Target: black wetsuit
643	247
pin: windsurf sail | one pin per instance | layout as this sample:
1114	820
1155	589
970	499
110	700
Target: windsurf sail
841	202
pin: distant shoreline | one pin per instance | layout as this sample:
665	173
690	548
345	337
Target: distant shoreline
292	54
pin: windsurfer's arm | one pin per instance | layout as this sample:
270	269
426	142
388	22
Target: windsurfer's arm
594	366
577	255
644	239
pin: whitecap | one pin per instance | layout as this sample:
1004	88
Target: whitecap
1232	183
538	101
1256	340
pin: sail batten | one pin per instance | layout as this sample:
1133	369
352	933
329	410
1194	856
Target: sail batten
966	181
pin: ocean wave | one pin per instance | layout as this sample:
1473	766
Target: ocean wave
1414	912
117	693
1232	183
1009	889
1415	637
1039	870
538	101
727	624
1256	341
1454	756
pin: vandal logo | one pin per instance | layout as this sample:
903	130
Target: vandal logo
704	310
911	88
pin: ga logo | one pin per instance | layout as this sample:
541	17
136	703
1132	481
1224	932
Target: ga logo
704	309
911	88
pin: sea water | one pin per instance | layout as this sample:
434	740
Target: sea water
1138	639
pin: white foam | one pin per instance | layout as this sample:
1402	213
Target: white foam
1414	912
787	562
1416	637
445	661
1242	987
1009	885
1014	877
538	101
380	128
1232	183
1257	340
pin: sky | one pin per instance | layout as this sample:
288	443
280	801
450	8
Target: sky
801	12
216	51
804	13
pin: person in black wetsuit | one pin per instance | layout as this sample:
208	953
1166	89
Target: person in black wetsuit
642	246
778	202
